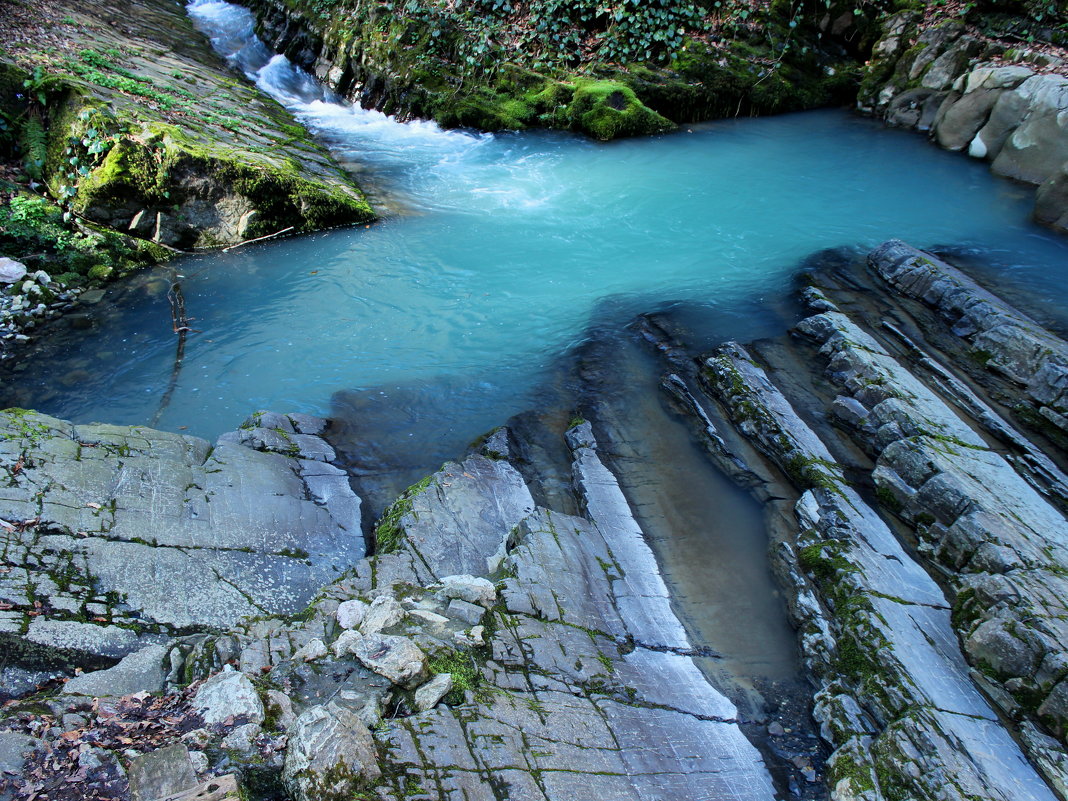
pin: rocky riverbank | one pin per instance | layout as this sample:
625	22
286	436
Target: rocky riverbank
604	71
991	97
127	118
512	633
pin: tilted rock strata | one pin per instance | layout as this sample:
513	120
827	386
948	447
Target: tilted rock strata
1007	549
875	628
565	688
1004	338
193	156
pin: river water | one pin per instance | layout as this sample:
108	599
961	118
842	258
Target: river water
496	251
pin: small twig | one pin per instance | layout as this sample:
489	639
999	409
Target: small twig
259	238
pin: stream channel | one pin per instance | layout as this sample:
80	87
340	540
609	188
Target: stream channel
495	256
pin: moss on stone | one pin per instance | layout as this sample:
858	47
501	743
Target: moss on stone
609	110
388	532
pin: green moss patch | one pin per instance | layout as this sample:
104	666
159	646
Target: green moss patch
609	110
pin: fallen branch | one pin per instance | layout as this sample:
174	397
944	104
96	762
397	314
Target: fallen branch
258	239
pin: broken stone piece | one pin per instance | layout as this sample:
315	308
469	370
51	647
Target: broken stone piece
430	694
228	694
472	589
161	773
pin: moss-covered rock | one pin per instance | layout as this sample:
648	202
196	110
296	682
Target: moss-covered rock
609	110
145	130
515	67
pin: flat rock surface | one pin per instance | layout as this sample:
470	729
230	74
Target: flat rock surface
107	526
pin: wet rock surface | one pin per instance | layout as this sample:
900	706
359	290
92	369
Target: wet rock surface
565	674
918	663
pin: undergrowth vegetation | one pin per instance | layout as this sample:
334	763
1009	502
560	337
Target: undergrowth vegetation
39	233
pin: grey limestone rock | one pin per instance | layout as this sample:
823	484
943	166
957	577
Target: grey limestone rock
279	707
228	695
161	773
1039	145
462	518
462	610
564	706
11	271
350	614
87	639
383	613
1012	343
161	530
330	756
1051	199
396	658
474	590
428	696
960	120
141	671
933	731
14	749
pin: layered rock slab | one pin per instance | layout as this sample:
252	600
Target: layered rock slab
185	154
898	700
560	690
110	531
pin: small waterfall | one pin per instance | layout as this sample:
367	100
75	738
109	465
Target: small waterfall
356	135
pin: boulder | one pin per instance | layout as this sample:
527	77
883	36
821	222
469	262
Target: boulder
343	644
217	788
11	271
1039	145
959	122
1051	200
396	658
161	773
383	613
350	614
463	611
1006	115
228	695
243	738
280	710
331	755
141	671
311	650
474	590
945	69
14	749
